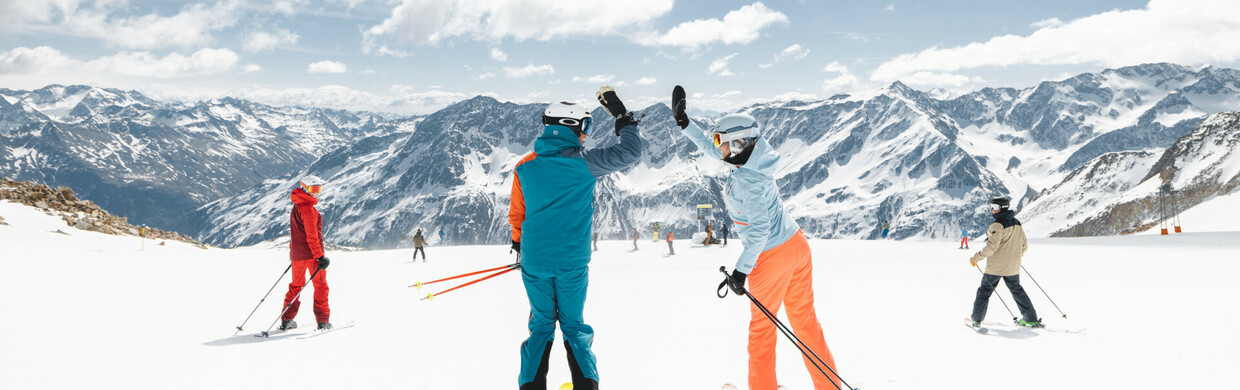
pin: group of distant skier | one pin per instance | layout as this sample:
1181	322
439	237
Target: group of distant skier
551	210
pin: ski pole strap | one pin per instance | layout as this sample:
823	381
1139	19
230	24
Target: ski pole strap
722	291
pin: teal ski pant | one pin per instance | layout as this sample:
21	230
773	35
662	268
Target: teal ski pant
559	297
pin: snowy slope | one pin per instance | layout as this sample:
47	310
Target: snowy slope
92	311
1199	167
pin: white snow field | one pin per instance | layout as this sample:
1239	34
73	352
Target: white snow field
92	311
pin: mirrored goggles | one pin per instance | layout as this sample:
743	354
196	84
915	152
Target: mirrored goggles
587	125
721	138
314	189
994	207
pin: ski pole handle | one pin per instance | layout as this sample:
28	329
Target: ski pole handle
722	291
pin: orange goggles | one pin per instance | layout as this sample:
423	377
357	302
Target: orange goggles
314	189
721	138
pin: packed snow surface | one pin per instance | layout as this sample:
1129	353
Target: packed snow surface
87	310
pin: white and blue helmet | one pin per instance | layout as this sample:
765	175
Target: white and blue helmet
741	130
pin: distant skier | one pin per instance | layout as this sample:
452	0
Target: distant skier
709	233
1005	245
964	239
552	212
723	232
635	237
418	242
594	240
443	238
306	253
670	236
886	228
776	258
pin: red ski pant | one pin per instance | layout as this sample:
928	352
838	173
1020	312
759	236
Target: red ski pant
300	269
782	276
964	241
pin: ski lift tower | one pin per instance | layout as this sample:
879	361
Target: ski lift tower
1168	205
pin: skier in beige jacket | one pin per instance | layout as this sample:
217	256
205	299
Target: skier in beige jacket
1005	244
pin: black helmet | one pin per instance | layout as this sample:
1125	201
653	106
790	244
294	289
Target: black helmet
1000	204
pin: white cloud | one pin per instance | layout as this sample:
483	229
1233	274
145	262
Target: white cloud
499	55
931	79
646	81
251	68
38	60
595	79
191	27
386	51
288	7
1046	23
49	61
327	66
1179	31
857	37
485	76
727	94
528	70
739	26
432	22
890	7
794	52
202	62
262	40
836	67
845	81
720	65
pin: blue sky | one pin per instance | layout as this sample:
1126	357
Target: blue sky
415	56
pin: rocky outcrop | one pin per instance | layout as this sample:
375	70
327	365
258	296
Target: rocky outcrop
79	213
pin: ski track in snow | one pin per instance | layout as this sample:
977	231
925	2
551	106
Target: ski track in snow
90	310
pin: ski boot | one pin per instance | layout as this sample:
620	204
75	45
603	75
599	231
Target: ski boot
325	325
288	324
1034	324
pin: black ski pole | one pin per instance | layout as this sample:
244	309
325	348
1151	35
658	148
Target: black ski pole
1048	296
290	303
791	336
1005	306
260	301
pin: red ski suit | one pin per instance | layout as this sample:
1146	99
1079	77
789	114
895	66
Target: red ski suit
306	245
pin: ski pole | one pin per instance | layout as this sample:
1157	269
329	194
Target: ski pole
420	284
788	333
431	296
290	303
260	301
1005	306
1048	297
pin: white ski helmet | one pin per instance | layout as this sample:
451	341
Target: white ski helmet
741	130
312	184
570	115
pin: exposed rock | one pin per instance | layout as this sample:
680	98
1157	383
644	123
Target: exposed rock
78	213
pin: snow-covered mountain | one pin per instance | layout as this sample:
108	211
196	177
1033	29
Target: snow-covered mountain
849	162
1119	192
156	162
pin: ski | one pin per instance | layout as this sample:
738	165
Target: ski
317	332
979	328
1043	327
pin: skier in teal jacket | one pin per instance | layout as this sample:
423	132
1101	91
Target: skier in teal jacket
551	213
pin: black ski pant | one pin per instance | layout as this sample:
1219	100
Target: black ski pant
989	282
415	253
670	251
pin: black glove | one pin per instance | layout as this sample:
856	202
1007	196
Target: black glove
607	97
737	282
678	107
323	262
516	246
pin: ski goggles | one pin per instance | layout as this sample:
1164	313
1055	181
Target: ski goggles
587	125
314	189
722	138
995	207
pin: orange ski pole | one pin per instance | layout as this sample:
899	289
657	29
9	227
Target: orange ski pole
420	284
431	296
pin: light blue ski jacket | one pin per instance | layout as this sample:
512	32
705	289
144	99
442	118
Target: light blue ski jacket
752	199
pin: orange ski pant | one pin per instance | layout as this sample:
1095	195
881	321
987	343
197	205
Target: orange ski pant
322	313
782	276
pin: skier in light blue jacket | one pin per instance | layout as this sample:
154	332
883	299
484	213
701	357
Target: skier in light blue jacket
776	258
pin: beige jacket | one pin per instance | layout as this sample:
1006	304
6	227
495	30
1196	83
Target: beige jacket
418	241
1004	248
